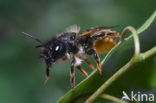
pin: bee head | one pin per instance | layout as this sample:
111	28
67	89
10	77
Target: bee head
52	51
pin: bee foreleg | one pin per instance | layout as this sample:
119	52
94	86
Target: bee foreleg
72	74
97	58
47	74
82	71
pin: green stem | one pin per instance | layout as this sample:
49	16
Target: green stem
126	67
121	71
109	81
112	98
135	37
148	53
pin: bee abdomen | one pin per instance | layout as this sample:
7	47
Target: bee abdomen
104	45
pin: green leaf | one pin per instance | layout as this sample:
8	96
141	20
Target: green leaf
114	59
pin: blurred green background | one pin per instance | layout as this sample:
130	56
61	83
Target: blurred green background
22	72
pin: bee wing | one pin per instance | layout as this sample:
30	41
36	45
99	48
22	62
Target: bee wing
92	31
73	28
107	27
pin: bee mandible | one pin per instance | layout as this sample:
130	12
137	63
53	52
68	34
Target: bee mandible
77	46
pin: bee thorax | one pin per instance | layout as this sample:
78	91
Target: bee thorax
81	50
77	61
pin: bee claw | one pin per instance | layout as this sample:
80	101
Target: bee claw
100	74
47	74
99	68
45	82
73	90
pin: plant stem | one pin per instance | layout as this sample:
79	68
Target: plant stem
135	37
148	53
112	98
109	81
119	73
134	59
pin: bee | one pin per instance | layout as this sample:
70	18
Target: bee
76	45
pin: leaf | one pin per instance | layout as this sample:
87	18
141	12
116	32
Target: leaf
111	63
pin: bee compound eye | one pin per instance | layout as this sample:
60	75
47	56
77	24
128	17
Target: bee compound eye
57	48
58	51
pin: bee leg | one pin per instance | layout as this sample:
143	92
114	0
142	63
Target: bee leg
101	34
47	74
72	74
82	71
90	64
96	57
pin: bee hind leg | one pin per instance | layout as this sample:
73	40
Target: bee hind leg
97	58
82	71
90	64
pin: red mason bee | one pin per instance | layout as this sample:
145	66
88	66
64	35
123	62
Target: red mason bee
77	46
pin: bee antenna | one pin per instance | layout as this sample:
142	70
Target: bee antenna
33	37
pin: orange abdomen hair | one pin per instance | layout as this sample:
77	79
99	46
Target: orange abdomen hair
104	45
